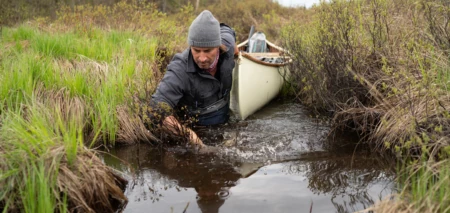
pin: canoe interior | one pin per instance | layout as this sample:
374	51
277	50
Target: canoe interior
276	56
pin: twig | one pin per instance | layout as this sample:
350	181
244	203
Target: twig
185	208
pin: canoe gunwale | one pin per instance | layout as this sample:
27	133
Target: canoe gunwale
248	56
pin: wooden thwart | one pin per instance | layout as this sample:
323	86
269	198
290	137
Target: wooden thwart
265	54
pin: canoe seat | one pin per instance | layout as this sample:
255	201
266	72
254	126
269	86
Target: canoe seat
258	43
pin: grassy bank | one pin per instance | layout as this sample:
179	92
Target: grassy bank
60	92
381	69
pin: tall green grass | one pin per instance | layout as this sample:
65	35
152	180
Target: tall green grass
98	66
29	183
38	195
424	186
56	46
61	91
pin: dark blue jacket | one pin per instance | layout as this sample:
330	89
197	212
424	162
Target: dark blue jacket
190	90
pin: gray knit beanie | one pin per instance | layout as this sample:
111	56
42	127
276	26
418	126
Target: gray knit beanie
204	31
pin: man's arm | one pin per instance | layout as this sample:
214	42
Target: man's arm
228	37
169	92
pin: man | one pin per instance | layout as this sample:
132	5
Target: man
198	81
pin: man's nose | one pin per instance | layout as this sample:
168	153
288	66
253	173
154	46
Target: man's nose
202	58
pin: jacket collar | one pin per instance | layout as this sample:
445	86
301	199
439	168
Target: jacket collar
191	67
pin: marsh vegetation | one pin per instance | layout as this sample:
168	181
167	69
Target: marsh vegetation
77	75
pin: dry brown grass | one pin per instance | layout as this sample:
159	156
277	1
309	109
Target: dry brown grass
90	185
83	179
87	183
132	128
391	205
265	15
71	109
418	117
395	204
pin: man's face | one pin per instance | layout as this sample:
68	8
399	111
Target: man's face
204	56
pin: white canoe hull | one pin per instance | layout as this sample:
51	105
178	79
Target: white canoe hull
254	85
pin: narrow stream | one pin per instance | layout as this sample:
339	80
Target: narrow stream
275	161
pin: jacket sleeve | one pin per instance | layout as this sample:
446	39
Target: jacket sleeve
228	36
168	93
170	89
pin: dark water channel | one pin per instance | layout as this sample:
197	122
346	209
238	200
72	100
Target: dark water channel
273	162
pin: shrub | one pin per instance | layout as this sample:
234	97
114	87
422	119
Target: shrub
372	66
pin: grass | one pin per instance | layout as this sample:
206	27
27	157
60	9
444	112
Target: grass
38	186
61	92
424	188
101	69
24	143
348	63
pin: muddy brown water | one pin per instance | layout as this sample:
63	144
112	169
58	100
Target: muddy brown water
275	161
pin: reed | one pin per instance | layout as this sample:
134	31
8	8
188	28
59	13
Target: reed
37	195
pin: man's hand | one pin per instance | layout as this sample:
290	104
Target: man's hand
174	126
194	139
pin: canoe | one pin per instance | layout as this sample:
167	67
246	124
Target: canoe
257	78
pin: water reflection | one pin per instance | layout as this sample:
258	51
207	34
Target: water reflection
154	172
175	180
352	182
